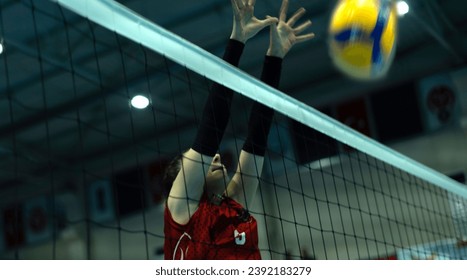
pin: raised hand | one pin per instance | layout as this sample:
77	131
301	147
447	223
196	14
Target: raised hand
245	24
284	35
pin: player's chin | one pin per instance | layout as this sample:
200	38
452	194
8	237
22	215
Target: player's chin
218	174
218	178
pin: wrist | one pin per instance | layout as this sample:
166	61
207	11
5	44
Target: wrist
238	38
275	53
238	35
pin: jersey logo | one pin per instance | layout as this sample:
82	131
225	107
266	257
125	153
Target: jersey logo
181	249
240	237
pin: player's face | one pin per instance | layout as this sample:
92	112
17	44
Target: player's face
217	177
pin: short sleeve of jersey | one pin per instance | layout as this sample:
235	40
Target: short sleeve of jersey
186	241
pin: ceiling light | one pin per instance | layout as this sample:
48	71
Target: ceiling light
140	101
1	46
402	8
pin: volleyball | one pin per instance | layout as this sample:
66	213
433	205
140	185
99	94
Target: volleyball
362	37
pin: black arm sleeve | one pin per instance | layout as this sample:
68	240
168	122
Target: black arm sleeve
260	120
217	109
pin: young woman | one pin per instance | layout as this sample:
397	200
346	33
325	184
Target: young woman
206	214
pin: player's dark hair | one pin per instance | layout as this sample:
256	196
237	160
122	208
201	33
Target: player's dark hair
171	172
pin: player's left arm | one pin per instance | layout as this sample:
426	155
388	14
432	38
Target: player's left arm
244	183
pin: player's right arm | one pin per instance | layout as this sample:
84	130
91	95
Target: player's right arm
188	186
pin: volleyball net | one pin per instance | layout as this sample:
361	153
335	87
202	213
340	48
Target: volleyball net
81	170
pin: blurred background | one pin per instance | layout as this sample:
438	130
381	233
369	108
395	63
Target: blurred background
67	127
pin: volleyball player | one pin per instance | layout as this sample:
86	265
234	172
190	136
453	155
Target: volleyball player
206	214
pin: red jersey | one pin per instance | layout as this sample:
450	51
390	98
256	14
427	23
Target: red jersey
223	232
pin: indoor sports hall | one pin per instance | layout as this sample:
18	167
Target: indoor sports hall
98	96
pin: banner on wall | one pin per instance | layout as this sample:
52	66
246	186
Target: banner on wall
354	114
439	102
100	197
38	219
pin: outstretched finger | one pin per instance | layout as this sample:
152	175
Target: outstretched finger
299	29
296	16
283	11
240	3
303	38
235	6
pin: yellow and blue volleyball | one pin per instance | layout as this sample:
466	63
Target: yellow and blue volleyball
362	37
